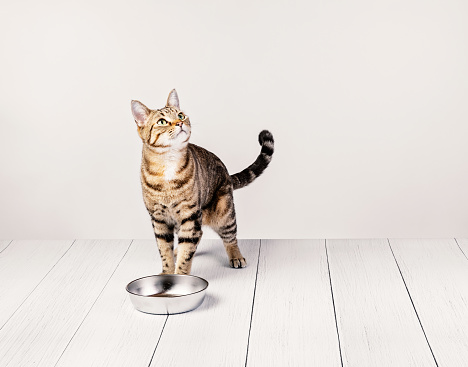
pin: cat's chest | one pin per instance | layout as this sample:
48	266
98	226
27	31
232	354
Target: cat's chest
170	170
163	168
168	179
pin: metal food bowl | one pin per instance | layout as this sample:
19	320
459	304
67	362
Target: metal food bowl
167	293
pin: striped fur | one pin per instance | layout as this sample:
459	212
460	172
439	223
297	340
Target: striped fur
249	174
185	186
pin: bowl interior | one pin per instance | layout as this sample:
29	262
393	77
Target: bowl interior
170	285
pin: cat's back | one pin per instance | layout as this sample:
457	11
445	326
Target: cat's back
206	159
211	170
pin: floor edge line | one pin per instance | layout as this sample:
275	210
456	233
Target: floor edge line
253	303
412	303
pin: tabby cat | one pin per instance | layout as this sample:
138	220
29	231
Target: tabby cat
186	186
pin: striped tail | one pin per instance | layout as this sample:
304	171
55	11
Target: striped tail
249	174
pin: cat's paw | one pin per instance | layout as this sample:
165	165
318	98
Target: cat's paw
166	273
238	263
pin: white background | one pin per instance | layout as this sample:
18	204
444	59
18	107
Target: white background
367	101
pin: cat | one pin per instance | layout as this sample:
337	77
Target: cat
186	186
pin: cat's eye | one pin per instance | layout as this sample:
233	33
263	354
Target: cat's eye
162	122
181	116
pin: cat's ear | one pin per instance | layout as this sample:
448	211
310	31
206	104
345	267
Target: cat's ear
140	113
173	100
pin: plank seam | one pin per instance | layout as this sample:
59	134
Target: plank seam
463	252
253	303
333	303
411	299
157	343
6	246
37	285
97	298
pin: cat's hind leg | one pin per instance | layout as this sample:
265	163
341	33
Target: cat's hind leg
225	225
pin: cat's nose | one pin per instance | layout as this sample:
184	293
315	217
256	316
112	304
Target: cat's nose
179	123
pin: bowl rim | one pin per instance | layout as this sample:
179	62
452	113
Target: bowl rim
176	275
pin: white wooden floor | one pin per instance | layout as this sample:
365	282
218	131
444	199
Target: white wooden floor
298	303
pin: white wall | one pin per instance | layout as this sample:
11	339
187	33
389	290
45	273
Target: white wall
367	101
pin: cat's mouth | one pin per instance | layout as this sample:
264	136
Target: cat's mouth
181	131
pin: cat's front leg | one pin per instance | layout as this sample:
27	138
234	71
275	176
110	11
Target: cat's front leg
165	239
190	233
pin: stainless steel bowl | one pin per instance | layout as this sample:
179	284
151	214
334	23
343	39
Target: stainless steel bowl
167	294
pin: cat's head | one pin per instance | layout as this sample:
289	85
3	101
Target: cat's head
164	128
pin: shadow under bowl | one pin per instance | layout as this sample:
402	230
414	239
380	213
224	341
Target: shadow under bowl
167	294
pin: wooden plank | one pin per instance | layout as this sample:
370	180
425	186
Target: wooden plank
114	333
463	244
377	323
436	274
216	333
39	331
4	244
293	322
23	264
